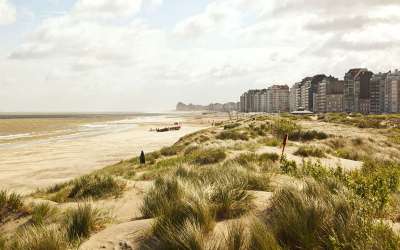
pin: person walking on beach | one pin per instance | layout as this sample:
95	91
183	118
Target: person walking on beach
142	158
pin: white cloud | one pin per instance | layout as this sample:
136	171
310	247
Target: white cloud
230	46
111	8
7	13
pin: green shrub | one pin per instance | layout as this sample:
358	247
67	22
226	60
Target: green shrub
233	135
43	213
82	221
300	135
40	238
274	157
283	127
310	151
288	167
208	156
169	151
231	126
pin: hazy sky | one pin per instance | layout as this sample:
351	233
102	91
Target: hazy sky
143	55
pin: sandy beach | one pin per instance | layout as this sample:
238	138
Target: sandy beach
64	154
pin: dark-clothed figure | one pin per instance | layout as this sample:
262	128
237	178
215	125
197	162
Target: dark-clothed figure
142	158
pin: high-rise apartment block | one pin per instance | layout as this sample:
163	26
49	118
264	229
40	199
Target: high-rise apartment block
361	91
272	100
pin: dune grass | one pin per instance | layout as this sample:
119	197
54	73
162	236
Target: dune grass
10	203
314	218
43	213
88	186
161	197
40	238
82	221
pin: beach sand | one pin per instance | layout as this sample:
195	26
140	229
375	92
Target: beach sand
28	165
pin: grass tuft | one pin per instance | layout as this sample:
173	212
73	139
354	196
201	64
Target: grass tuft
40	238
43	213
88	186
82	221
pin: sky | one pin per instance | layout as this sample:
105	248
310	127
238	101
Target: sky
146	55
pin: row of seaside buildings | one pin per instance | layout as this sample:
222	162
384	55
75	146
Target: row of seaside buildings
361	91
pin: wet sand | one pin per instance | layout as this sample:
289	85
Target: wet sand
28	165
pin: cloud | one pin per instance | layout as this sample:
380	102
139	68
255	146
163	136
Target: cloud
111	8
107	50
217	16
349	23
7	13
331	7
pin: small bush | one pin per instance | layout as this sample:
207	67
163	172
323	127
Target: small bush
208	156
233	135
288	167
283	127
309	151
169	151
231	126
43	213
300	135
82	221
274	157
40	238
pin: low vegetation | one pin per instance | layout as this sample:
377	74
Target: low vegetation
310	151
233	135
315	218
207	156
43	214
213	189
10	203
82	221
40	238
88	186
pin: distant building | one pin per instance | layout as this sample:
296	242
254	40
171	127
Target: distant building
356	90
272	100
278	96
392	93
377	88
329	96
295	97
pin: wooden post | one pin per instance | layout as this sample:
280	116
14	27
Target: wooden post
285	140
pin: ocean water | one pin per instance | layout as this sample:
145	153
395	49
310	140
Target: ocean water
60	155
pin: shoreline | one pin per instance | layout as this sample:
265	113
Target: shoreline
28	165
